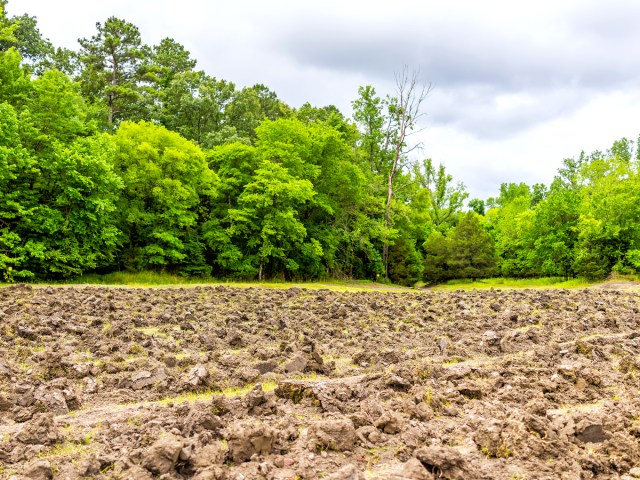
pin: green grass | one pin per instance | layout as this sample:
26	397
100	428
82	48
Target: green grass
136	278
230	392
549	282
157	279
151	279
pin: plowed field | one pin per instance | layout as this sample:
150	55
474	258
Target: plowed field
226	383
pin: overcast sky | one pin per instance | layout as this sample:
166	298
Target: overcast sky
517	86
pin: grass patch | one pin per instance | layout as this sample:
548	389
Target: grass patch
548	282
66	449
151	331
150	279
136	278
230	392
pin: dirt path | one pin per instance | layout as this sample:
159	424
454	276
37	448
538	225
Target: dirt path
279	384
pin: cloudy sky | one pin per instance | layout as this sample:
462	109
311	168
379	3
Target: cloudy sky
518	86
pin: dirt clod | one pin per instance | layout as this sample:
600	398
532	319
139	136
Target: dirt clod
246	440
333	433
39	470
162	456
40	430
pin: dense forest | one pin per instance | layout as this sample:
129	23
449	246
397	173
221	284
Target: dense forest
125	156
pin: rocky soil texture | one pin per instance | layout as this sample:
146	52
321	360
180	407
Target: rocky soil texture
223	383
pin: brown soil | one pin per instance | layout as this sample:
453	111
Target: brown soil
224	383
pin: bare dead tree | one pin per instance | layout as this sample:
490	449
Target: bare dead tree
405	109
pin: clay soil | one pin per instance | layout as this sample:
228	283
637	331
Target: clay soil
224	383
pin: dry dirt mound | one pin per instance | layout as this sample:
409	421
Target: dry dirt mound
223	383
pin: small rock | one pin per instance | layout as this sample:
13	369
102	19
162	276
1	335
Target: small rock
397	383
235	339
581	384
5	404
212	454
213	472
491	337
283	474
170	360
81	370
567	371
53	400
411	470
90	467
317	357
91	386
635	472
145	378
446	461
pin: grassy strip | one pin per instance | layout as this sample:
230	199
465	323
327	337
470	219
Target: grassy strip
157	279
154	279
550	282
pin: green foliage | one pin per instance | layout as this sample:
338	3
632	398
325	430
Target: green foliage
444	200
214	180
112	67
166	180
267	218
471	250
466	252
56	205
14	83
193	104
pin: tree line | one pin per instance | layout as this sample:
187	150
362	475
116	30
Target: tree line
124	156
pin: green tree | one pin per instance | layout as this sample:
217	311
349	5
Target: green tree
235	165
436	258
471	250
554	232
166	180
56	204
57	110
609	223
14	83
194	104
510	225
7	28
477	205
444	199
111	74
385	145
250	106
268	219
